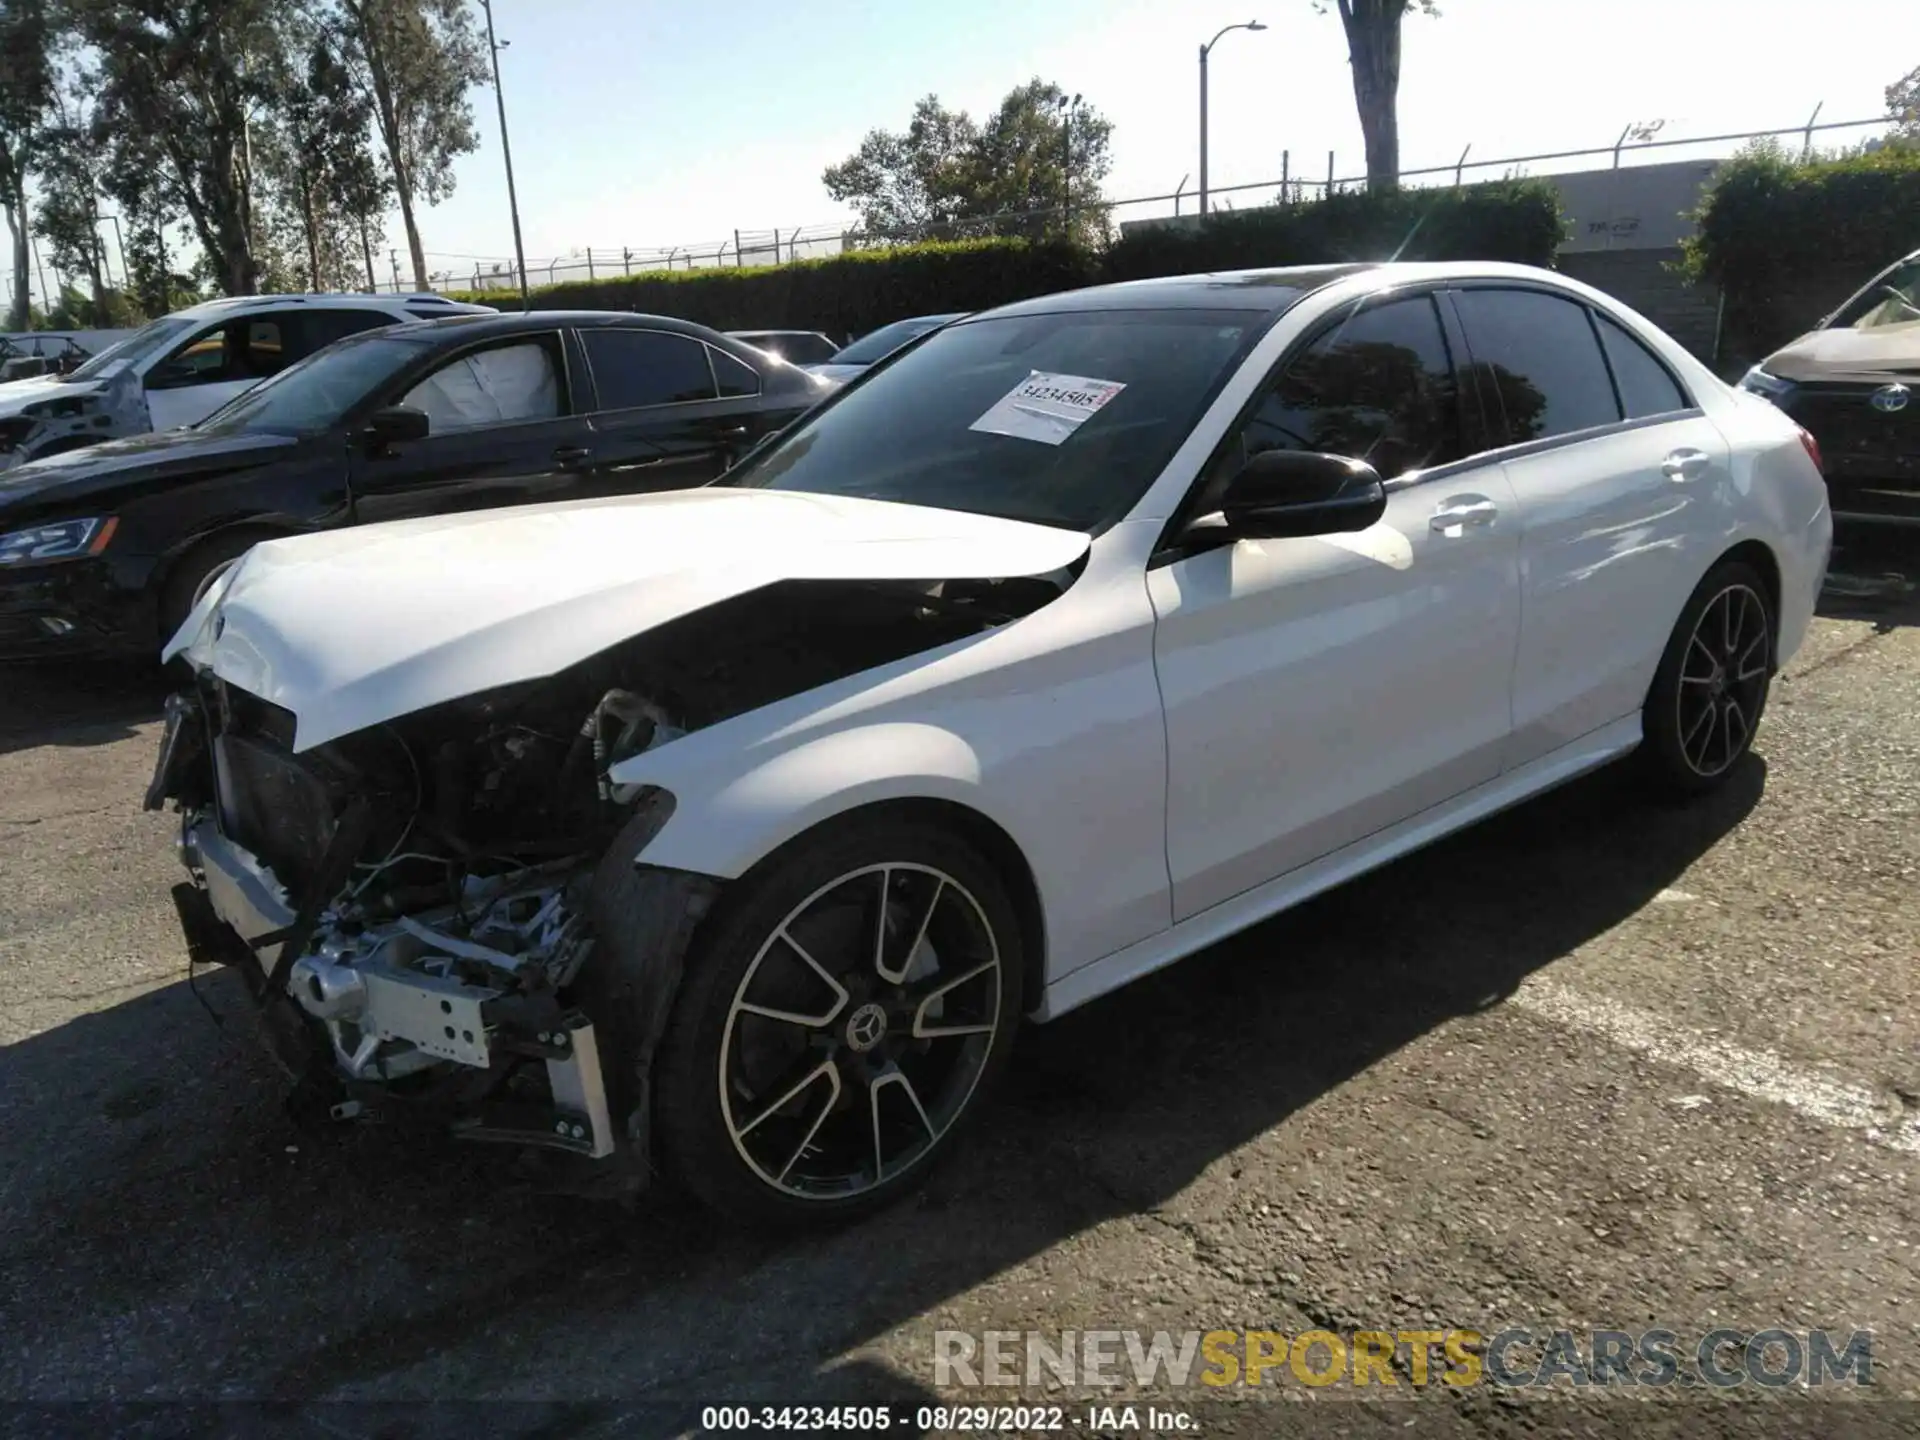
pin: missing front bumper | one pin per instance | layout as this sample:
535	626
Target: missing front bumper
234	913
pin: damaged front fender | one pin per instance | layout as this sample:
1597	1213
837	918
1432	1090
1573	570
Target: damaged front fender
644	919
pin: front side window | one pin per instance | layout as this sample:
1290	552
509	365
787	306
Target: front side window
507	385
1377	387
148	340
241	350
1647	387
1063	419
635	368
1537	355
1893	299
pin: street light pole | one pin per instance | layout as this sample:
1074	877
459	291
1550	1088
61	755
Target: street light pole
1204	51
506	153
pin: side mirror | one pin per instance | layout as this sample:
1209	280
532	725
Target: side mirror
397	425
1285	493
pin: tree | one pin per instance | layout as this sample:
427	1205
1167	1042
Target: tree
1035	167
194	76
26	89
416	61
1903	106
946	175
74	150
1373	53
331	180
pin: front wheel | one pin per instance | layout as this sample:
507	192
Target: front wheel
1711	688
848	1010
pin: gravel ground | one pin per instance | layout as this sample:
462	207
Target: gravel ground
1592	1065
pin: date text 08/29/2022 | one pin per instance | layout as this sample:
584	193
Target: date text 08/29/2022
944	1419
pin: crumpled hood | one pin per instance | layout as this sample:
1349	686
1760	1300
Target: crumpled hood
1886	353
16	395
356	627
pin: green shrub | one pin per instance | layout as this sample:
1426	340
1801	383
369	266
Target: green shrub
842	295
1786	241
1515	220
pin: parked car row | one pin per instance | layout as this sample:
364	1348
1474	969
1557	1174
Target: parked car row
733	830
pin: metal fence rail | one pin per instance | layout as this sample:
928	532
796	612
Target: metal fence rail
784	245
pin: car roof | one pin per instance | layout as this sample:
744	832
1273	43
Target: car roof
738	334
1262	291
493	322
348	300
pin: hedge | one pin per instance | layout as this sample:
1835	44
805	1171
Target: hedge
847	294
1786	241
860	290
1516	220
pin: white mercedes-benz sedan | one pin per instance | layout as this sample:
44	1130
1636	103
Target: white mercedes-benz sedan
737	829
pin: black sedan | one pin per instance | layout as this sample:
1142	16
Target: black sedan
104	550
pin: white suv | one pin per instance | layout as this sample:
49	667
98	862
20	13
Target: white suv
183	367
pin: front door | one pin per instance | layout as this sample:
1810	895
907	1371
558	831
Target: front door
503	432
1611	463
1319	690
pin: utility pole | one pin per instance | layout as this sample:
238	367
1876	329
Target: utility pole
506	153
394	257
1204	51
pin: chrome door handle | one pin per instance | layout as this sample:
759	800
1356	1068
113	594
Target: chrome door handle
1684	465
1464	514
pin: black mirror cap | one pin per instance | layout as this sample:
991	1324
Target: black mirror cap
398	424
1286	493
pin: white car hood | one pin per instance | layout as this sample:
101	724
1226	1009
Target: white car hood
16	395
356	627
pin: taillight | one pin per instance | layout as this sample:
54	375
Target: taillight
1812	447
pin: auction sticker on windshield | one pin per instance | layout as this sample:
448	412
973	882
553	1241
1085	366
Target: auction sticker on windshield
1047	408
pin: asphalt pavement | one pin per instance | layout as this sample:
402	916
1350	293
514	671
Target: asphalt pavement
1594	1065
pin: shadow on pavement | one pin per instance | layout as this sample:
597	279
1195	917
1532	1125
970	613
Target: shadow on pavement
164	1231
1874	576
76	704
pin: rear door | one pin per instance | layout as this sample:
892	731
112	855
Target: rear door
504	431
1612	465
670	411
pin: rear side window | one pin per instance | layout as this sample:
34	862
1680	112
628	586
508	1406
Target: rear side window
736	378
1646	386
634	368
1378	387
322	327
1539	358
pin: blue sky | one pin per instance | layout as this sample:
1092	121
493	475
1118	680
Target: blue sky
669	123
654	123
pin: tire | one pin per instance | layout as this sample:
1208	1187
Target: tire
193	572
1710	691
808	1088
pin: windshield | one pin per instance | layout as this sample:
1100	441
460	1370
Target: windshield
316	392
1059	419
1892	299
879	344
147	340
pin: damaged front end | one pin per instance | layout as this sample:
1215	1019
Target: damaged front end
447	916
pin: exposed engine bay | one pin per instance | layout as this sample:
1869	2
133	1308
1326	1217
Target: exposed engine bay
414	905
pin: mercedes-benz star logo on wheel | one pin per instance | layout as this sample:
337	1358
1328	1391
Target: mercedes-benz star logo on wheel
1890	399
865	1027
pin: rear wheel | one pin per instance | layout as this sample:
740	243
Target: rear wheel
846	1014
1711	688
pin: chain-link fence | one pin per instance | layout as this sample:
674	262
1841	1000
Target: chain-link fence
1296	181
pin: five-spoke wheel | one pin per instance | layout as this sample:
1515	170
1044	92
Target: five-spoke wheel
1711	687
853	1002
